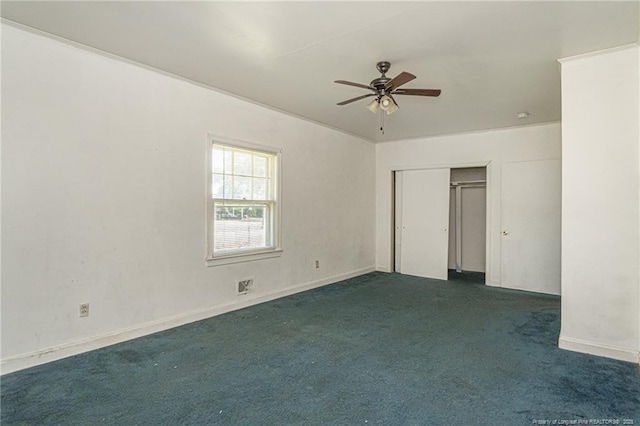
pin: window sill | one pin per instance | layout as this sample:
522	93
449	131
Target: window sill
242	257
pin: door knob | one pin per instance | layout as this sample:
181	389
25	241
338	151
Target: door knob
505	232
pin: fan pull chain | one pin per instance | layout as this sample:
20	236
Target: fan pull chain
382	121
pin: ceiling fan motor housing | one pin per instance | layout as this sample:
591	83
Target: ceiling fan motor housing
379	83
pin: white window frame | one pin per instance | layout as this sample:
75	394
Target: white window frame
243	255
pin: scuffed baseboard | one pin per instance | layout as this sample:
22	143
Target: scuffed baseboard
31	359
599	349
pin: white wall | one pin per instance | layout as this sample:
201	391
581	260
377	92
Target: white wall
104	191
491	148
600	206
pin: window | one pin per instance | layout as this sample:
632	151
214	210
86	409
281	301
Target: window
243	209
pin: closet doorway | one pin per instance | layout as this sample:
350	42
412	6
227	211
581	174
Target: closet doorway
468	220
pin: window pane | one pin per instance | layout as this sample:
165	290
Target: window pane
228	187
242	164
218	160
241	188
259	166
240	227
259	189
228	161
218	186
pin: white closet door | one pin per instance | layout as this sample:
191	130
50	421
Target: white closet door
425	222
531	203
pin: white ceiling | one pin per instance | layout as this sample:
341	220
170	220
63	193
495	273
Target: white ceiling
491	59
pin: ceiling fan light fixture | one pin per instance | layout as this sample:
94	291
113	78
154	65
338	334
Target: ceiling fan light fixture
373	106
387	104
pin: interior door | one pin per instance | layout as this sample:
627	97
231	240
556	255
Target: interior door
531	218
425	221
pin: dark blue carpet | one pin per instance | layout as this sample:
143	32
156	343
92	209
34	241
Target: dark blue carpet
380	349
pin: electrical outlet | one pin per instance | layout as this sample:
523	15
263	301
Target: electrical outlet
84	310
245	286
317	264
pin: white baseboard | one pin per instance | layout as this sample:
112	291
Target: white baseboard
380	268
527	290
599	349
31	359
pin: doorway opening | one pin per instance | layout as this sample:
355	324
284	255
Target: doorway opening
467	222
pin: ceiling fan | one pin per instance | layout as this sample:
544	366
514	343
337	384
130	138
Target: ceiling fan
384	88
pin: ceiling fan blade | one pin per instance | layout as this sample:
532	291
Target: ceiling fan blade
348	101
399	80
350	83
418	92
